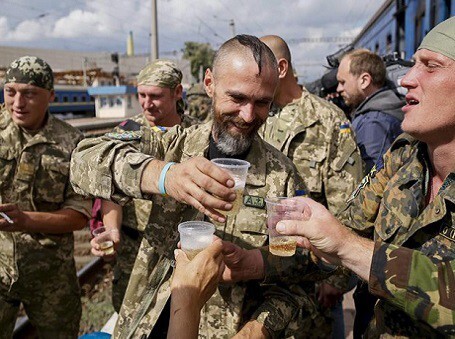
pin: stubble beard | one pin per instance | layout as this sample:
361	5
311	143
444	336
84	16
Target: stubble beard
226	142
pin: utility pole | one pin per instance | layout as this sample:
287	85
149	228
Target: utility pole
232	24
154	33
84	72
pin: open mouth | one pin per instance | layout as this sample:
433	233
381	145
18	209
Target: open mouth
412	102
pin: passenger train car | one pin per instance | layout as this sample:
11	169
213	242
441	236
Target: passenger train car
400	25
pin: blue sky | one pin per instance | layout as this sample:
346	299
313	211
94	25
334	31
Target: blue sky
103	25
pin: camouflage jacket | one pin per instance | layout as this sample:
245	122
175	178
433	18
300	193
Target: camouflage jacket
316	136
271	174
136	213
414	260
199	103
34	174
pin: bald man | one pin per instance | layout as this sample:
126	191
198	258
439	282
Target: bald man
316	136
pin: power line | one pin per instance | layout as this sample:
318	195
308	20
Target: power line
321	40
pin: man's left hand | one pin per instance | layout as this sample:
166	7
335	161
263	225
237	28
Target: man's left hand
18	217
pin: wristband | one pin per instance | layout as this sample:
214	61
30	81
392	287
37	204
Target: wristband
163	177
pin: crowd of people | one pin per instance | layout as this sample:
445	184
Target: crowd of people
379	185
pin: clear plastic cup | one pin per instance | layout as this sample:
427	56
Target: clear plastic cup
283	208
105	239
238	169
195	236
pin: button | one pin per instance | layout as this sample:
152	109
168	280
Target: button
388	231
437	210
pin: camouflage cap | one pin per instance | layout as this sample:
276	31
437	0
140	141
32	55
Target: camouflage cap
30	70
441	39
161	73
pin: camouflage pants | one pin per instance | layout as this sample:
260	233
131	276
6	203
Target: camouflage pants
131	240
51	299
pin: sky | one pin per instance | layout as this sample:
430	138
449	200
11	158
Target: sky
103	25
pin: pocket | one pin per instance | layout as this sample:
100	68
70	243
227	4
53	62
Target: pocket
6	164
251	224
309	159
52	178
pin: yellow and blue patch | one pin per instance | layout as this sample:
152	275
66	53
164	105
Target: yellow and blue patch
345	127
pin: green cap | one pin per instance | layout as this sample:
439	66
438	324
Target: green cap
441	39
161	73
30	70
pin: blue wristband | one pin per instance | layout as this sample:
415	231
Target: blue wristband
163	177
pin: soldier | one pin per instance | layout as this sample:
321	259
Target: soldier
199	103
317	137
241	85
39	208
160	92
404	211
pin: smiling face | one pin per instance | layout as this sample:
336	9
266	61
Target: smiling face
27	104
430	102
159	104
241	101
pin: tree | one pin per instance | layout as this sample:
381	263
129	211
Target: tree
198	54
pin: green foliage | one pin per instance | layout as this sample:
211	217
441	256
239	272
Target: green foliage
199	54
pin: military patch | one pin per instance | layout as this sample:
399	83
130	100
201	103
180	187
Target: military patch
130	125
448	232
345	127
365	182
159	129
252	201
300	193
126	135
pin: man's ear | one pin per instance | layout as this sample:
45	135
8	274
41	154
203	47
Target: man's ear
178	91
283	67
209	83
365	80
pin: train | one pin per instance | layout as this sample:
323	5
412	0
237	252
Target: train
70	102
400	25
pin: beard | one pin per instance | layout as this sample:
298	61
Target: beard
232	143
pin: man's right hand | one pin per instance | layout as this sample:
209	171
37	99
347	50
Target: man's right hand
197	182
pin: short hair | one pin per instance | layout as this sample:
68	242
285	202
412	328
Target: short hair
363	60
262	54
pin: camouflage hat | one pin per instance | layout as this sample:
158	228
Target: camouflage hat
161	73
441	39
30	70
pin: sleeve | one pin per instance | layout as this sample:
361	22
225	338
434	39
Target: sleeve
111	167
374	134
411	281
77	202
344	168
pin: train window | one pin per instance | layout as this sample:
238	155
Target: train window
92	99
75	99
65	98
56	99
84	98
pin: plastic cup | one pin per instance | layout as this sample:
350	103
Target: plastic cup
104	238
238	170
195	236
283	208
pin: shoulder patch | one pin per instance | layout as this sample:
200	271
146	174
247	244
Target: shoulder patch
345	127
130	125
365	182
126	135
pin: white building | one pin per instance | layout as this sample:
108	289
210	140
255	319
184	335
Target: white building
115	101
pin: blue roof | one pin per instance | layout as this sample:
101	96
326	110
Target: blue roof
111	90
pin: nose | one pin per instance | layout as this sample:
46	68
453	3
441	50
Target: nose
148	103
409	80
339	88
247	113
19	101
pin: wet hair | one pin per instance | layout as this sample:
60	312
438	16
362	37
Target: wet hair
363	60
262	54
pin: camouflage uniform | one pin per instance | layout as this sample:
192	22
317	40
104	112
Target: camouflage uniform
413	263
271	174
199	103
136	215
316	136
38	269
